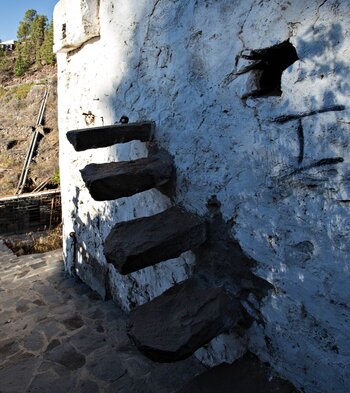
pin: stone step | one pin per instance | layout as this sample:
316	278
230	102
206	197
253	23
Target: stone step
134	245
122	179
187	316
94	137
246	375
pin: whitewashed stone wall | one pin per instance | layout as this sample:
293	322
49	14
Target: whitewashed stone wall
174	62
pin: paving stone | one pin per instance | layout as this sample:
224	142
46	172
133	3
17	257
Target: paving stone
34	341
77	342
128	384
22	274
38	265
87	341
66	355
23	305
50	328
106	366
50	383
53	344
73	323
39	302
16	375
87	386
95	314
8	347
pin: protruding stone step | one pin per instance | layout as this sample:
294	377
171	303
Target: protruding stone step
94	137
246	375
121	179
136	244
174	325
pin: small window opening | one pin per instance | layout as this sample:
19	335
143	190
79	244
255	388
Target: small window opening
64	31
267	68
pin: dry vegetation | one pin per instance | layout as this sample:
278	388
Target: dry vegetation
19	107
35	243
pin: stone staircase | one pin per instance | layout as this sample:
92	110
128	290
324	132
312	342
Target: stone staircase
115	180
136	244
187	316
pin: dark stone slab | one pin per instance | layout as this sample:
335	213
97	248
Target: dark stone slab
17	374
73	323
106	366
121	179
136	244
34	341
67	356
174	325
8	347
247	374
94	137
50	382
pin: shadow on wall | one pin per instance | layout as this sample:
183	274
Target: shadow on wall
316	170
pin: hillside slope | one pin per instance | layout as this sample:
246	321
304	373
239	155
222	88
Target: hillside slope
20	101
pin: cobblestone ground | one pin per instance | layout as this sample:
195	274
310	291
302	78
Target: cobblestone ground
56	335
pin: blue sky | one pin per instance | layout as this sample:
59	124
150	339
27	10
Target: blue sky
12	12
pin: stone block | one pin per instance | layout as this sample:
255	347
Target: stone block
121	179
95	137
136	244
187	316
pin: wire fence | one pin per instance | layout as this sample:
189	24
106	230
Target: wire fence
30	212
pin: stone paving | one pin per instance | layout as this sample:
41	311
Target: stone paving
56	335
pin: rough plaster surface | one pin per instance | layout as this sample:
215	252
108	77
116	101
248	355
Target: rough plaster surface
173	62
75	23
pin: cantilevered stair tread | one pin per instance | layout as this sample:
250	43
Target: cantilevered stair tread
246	375
122	179
134	245
95	137
174	325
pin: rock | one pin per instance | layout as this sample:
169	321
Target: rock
246	374
174	325
136	244
91	138
121	179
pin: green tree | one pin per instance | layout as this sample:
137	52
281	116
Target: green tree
46	52
36	37
35	42
23	30
22	63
